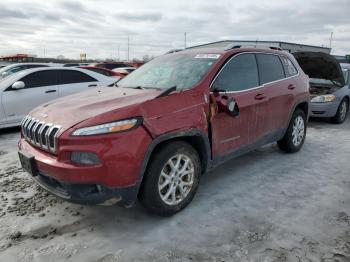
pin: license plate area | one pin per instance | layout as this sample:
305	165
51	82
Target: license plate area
28	163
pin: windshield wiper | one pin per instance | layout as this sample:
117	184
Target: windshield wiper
167	91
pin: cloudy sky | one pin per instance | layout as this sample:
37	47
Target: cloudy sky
100	28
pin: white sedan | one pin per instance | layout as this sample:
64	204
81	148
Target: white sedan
25	90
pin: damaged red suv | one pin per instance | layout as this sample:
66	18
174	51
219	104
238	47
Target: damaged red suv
154	134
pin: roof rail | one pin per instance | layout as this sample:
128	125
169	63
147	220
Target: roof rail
276	48
173	51
232	46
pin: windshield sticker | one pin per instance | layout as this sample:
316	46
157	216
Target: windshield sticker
210	56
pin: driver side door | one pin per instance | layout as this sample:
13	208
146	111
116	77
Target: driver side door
40	87
238	80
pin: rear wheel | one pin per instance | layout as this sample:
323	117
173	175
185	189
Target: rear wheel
342	112
294	137
171	180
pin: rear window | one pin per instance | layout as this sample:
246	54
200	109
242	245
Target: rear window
100	71
270	68
72	76
288	66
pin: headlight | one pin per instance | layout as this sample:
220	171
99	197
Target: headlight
113	127
323	99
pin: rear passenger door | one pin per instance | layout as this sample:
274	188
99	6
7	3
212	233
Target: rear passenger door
276	75
73	81
238	79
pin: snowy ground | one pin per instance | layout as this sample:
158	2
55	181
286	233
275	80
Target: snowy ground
264	206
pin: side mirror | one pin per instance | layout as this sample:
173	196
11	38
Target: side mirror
228	105
232	108
4	74
18	85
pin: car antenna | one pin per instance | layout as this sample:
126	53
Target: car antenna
167	91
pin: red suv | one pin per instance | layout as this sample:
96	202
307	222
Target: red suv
154	134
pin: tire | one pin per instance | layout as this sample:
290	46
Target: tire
162	179
342	112
295	135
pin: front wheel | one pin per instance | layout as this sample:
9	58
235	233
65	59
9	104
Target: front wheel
171	179
294	137
342	112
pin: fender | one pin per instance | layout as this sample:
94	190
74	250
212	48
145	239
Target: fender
295	107
169	136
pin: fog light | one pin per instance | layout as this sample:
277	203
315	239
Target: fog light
85	158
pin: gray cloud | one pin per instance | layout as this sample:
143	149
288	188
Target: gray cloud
139	17
100	28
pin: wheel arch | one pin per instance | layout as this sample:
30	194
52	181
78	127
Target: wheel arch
195	137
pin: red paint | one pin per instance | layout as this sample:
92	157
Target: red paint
262	111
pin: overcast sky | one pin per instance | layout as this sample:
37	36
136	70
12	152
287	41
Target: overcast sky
155	26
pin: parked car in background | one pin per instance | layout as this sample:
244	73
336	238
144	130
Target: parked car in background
329	96
124	71
75	64
14	68
111	65
102	71
166	124
21	92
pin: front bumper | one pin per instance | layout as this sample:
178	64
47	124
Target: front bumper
87	194
115	180
328	109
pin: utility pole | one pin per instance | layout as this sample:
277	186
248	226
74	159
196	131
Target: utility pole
128	48
185	40
118	52
330	40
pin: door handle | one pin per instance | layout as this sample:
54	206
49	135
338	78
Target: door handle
93	85
50	91
291	87
260	97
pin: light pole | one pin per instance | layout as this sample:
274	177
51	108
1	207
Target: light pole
128	48
185	40
330	40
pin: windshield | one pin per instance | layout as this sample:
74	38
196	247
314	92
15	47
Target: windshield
180	70
328	82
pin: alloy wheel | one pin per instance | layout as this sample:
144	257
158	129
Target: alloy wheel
343	111
176	179
298	131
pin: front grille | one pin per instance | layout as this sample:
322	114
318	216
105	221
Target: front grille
40	134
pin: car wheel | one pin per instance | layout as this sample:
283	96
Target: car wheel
295	135
342	112
171	179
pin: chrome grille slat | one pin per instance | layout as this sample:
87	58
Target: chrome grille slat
40	134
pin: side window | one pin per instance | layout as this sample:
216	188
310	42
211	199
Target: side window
15	69
72	76
270	68
240	73
35	66
288	66
41	78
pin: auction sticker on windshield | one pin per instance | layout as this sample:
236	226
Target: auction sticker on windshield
211	56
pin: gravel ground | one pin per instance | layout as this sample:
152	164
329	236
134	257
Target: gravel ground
264	206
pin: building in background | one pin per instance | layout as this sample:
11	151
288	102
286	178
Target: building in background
290	47
18	58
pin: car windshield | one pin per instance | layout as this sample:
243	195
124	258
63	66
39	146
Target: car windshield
180	70
328	82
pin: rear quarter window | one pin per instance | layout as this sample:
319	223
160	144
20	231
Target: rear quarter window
270	68
288	66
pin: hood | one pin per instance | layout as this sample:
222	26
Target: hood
320	65
71	110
